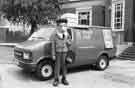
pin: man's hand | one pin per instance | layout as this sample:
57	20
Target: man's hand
54	57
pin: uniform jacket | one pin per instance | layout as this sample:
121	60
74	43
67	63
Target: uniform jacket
60	44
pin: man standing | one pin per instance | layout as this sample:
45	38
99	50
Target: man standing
60	42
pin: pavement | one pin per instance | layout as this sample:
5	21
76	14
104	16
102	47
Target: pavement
121	71
120	74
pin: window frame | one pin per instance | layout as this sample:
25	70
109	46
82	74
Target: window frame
86	9
114	11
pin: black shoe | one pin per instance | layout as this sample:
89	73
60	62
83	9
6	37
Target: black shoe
65	82
55	83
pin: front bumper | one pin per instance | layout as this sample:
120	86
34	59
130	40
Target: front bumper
27	66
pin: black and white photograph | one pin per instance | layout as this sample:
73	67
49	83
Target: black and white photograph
67	44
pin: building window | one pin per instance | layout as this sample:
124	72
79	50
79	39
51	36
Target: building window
118	15
84	16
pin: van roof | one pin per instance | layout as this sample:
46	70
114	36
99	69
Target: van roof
88	27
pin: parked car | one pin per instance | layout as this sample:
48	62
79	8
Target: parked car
90	45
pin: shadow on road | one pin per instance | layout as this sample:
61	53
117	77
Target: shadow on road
82	68
26	76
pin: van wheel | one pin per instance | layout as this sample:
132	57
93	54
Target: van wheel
45	70
102	62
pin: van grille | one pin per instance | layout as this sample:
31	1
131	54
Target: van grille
19	55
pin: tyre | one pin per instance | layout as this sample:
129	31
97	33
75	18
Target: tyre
102	63
45	70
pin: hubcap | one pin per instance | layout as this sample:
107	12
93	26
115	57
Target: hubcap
102	63
46	70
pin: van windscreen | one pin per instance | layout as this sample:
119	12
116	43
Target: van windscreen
43	33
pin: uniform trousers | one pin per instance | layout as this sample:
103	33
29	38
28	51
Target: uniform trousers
60	65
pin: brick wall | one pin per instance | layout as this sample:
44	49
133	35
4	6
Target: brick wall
108	13
128	20
98	15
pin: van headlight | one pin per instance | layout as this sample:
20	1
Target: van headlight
26	55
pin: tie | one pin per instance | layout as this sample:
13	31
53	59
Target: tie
63	36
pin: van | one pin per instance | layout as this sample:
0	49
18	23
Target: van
90	45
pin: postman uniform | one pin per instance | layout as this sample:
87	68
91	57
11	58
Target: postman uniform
60	45
60	48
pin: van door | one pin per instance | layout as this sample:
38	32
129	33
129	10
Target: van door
87	47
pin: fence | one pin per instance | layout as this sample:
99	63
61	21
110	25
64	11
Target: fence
7	34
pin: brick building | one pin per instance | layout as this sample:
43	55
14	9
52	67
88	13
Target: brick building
117	14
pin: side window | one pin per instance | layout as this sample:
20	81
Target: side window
83	37
84	34
87	34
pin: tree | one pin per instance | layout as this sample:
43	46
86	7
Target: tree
32	12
